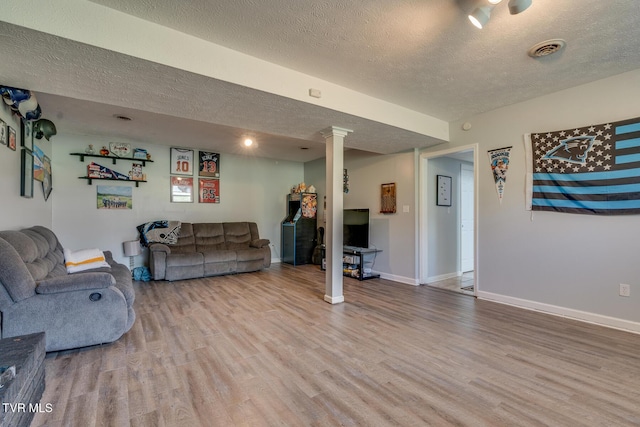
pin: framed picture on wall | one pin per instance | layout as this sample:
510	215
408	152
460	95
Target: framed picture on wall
11	132
181	161
181	189
3	132
209	190
443	190
26	138
26	180
388	198
47	181
209	164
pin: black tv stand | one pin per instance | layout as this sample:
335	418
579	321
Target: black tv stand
356	261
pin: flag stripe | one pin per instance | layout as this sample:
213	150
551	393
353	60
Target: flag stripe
604	189
627	143
628	158
633	127
619	181
587	211
595	197
585	176
607	204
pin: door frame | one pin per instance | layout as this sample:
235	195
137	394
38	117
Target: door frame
466	166
423	234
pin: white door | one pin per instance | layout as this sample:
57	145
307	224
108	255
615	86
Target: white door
466	218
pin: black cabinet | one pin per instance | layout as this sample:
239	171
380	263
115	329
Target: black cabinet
299	228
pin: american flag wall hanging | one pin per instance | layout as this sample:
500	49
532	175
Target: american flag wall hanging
589	170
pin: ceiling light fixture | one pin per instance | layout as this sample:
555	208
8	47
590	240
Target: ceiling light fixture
518	6
481	14
248	142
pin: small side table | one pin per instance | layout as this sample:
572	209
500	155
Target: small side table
20	397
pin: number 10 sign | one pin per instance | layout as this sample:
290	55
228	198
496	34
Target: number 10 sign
181	161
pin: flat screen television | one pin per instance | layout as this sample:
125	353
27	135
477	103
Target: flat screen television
356	228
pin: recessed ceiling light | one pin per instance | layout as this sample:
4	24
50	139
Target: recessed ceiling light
248	142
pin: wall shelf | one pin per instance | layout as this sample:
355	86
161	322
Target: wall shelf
114	158
111	179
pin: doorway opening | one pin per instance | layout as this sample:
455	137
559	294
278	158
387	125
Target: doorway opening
448	234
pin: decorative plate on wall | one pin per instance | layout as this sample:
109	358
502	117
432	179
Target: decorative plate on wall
120	149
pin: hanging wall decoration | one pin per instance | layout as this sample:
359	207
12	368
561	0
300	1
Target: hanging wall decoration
209	190
114	197
181	161
209	164
589	170
47	180
345	181
3	132
443	190
12	138
388	198
181	189
499	159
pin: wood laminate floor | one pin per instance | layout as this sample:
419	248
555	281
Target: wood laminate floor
264	349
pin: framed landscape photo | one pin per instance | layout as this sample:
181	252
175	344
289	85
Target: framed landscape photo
26	180
443	195
181	161
3	132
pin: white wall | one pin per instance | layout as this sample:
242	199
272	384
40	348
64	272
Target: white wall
442	221
393	233
19	212
563	263
251	189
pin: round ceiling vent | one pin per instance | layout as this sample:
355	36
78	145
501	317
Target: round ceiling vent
546	48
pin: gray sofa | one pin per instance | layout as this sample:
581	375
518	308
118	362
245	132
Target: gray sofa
74	310
210	249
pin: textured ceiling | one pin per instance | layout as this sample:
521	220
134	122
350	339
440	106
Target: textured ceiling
419	54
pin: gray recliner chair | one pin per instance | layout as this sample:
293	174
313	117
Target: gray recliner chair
74	310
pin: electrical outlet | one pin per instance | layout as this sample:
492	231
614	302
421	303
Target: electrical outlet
625	290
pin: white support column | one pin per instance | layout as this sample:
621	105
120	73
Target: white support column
334	137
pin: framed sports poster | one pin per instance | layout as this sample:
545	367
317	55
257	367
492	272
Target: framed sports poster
181	161
388	198
26	138
209	164
12	138
209	190
181	189
3	132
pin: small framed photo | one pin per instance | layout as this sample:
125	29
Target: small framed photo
181	161
26	180
3	132
443	194
181	189
209	190
12	138
26	137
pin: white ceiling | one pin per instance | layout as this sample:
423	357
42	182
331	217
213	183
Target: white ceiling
422	56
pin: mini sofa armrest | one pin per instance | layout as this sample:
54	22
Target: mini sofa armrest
75	282
159	247
259	243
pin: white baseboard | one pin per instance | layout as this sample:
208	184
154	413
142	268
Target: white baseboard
276	260
584	316
444	277
334	300
401	279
